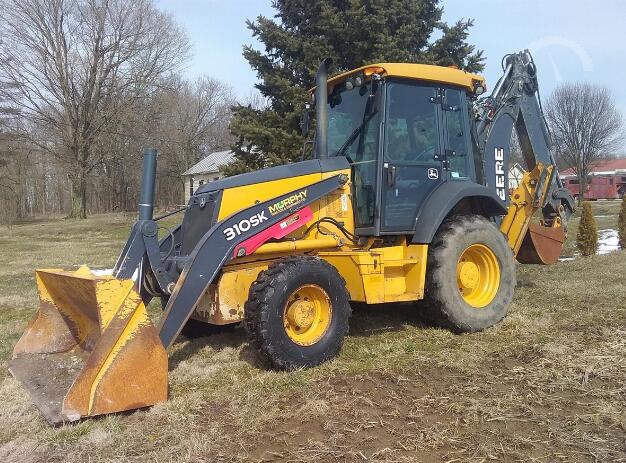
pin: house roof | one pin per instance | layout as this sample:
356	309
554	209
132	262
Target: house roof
211	163
600	168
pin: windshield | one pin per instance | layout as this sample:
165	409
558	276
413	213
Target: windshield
352	128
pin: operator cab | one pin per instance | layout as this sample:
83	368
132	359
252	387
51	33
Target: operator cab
405	134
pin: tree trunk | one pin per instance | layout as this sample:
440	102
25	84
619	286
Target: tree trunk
582	183
78	208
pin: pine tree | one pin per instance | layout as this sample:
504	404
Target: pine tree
352	33
587	236
621	225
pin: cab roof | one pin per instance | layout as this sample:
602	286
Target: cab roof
426	72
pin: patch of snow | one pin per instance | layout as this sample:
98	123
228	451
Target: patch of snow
608	241
102	272
109	272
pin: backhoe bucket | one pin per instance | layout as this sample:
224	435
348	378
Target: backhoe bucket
541	245
91	349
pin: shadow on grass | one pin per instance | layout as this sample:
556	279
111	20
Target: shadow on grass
366	320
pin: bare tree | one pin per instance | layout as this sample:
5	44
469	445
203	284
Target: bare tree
195	120
184	119
73	66
586	126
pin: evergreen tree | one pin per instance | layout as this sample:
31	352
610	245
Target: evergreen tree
587	236
352	33
621	225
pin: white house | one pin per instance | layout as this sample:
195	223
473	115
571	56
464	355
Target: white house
207	170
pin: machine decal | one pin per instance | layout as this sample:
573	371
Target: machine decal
433	173
244	225
500	181
276	231
286	203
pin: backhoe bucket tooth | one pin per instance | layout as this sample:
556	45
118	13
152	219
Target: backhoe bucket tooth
541	245
91	348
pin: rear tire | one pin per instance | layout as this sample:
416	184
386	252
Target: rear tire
471	278
297	313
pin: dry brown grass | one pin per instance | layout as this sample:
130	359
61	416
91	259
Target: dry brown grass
547	384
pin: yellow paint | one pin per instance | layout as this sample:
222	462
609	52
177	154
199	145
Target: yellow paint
478	275
55	286
241	197
389	274
523	206
307	315
223	302
111	296
139	317
425	72
298	245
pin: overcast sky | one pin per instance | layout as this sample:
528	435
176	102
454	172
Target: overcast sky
570	39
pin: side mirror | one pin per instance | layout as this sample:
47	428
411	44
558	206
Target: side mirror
305	120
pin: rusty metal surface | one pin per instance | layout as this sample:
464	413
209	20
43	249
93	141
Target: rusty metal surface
541	245
91	348
47	378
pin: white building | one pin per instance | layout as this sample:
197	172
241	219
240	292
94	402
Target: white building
207	170
516	174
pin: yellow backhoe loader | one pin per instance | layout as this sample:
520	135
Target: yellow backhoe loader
406	198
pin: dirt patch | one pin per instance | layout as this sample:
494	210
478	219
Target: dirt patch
432	414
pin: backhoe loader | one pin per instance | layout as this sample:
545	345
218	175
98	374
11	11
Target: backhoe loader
405	198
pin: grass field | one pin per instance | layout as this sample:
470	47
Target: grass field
547	384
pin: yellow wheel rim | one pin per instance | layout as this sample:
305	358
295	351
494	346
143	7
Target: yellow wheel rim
307	315
478	275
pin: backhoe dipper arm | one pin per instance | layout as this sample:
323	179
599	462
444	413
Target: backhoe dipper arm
515	103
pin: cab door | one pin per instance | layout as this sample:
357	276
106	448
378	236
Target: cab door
458	159
413	157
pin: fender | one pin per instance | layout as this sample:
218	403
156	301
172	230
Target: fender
442	200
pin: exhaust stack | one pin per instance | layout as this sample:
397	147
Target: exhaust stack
148	182
321	110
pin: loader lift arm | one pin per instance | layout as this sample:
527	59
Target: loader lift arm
515	105
210	253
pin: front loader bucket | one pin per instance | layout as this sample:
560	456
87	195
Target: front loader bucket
541	245
91	348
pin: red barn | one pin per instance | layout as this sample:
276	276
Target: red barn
607	180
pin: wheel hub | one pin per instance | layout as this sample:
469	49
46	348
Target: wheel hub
468	275
301	314
307	316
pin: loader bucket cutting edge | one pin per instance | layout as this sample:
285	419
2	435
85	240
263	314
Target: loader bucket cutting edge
541	245
91	348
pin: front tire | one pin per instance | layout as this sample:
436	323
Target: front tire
297	313
471	278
